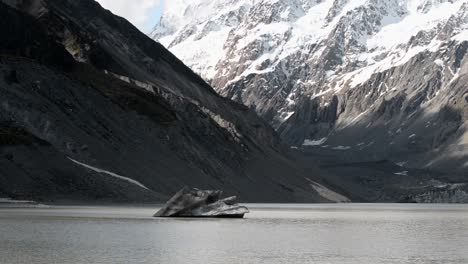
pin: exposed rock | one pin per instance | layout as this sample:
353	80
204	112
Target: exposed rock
198	203
11	78
445	193
72	74
365	73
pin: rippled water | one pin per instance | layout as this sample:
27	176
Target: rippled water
357	234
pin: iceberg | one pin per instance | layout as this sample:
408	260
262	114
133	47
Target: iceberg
192	202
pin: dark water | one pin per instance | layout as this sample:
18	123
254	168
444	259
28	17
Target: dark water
334	234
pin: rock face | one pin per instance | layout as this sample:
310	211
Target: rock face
197	203
444	193
93	109
378	79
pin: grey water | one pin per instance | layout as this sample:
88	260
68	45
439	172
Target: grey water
272	233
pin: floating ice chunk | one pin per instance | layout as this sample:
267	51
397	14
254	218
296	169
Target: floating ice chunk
191	202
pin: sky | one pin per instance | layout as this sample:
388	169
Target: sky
142	13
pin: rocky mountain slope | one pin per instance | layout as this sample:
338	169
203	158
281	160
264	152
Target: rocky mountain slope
92	109
365	80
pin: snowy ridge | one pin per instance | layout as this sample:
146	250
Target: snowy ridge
322	68
228	42
200	43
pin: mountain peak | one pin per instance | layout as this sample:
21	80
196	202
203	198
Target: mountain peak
289	60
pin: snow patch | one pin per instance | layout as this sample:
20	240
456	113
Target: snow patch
318	142
223	123
132	181
327	193
401	164
402	173
342	148
439	62
8	202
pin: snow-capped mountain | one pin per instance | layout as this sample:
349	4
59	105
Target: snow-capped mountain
91	109
382	78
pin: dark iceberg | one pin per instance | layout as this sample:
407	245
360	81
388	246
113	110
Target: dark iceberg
191	202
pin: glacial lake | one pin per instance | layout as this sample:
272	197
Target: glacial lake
271	233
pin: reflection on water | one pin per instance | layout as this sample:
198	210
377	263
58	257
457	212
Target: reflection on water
274	233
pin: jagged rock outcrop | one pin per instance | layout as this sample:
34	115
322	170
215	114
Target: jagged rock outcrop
381	79
202	203
93	109
442	193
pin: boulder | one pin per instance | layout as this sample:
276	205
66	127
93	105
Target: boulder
191	202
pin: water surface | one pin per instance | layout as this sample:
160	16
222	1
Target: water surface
274	233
